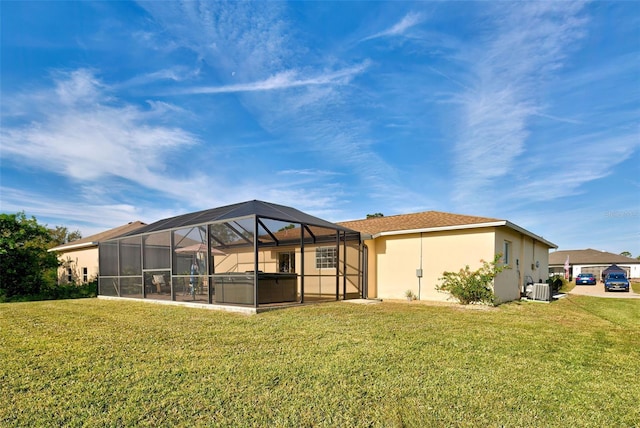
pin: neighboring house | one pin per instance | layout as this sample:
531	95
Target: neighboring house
412	251
79	258
591	261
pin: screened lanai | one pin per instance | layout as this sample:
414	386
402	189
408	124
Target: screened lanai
251	254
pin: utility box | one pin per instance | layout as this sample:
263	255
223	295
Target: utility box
419	273
539	291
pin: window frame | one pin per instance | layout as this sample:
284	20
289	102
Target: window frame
291	266
506	252
326	258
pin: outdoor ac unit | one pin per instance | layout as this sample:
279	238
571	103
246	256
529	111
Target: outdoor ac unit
528	291
541	292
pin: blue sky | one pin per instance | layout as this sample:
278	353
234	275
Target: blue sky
527	111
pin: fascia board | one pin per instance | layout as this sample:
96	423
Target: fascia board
532	235
441	228
72	247
468	226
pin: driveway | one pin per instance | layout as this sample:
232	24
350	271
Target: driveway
598	291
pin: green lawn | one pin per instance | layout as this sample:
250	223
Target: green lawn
91	362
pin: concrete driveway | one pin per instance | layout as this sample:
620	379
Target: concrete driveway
598	291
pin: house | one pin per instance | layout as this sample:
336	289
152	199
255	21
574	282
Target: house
411	252
591	261
79	258
255	254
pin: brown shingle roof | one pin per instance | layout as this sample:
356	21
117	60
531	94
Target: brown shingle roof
423	220
589	256
102	236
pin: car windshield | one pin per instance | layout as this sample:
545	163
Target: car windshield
586	274
616	276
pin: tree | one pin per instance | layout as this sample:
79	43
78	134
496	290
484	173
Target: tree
376	215
473	286
24	259
61	235
625	253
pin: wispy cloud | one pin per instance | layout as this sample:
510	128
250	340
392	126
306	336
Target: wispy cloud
233	37
528	45
408	21
175	74
603	151
84	133
245	43
284	80
560	119
89	218
309	172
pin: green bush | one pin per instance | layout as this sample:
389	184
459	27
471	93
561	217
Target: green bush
57	292
71	291
473	286
558	283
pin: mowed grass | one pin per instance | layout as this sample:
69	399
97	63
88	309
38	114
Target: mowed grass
92	362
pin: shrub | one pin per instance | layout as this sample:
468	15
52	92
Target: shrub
70	291
473	286
57	292
557	283
410	295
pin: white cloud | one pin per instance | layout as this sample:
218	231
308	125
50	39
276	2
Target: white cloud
248	38
175	74
528	45
309	172
408	21
88	218
84	133
603	152
283	80
246	42
77	87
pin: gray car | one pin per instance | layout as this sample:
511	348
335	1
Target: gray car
616	281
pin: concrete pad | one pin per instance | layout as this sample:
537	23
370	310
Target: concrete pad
363	301
227	308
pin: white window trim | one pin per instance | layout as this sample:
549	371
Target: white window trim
326	258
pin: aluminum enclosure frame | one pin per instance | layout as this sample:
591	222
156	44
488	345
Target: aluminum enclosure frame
231	230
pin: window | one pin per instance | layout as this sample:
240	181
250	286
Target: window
85	274
69	275
287	262
506	253
326	258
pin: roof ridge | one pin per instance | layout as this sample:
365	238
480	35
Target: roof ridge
418	213
105	234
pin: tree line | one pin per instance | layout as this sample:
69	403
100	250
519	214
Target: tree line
28	271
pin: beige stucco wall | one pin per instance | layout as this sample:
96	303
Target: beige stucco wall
371	274
317	281
393	261
528	257
242	260
397	257
76	260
